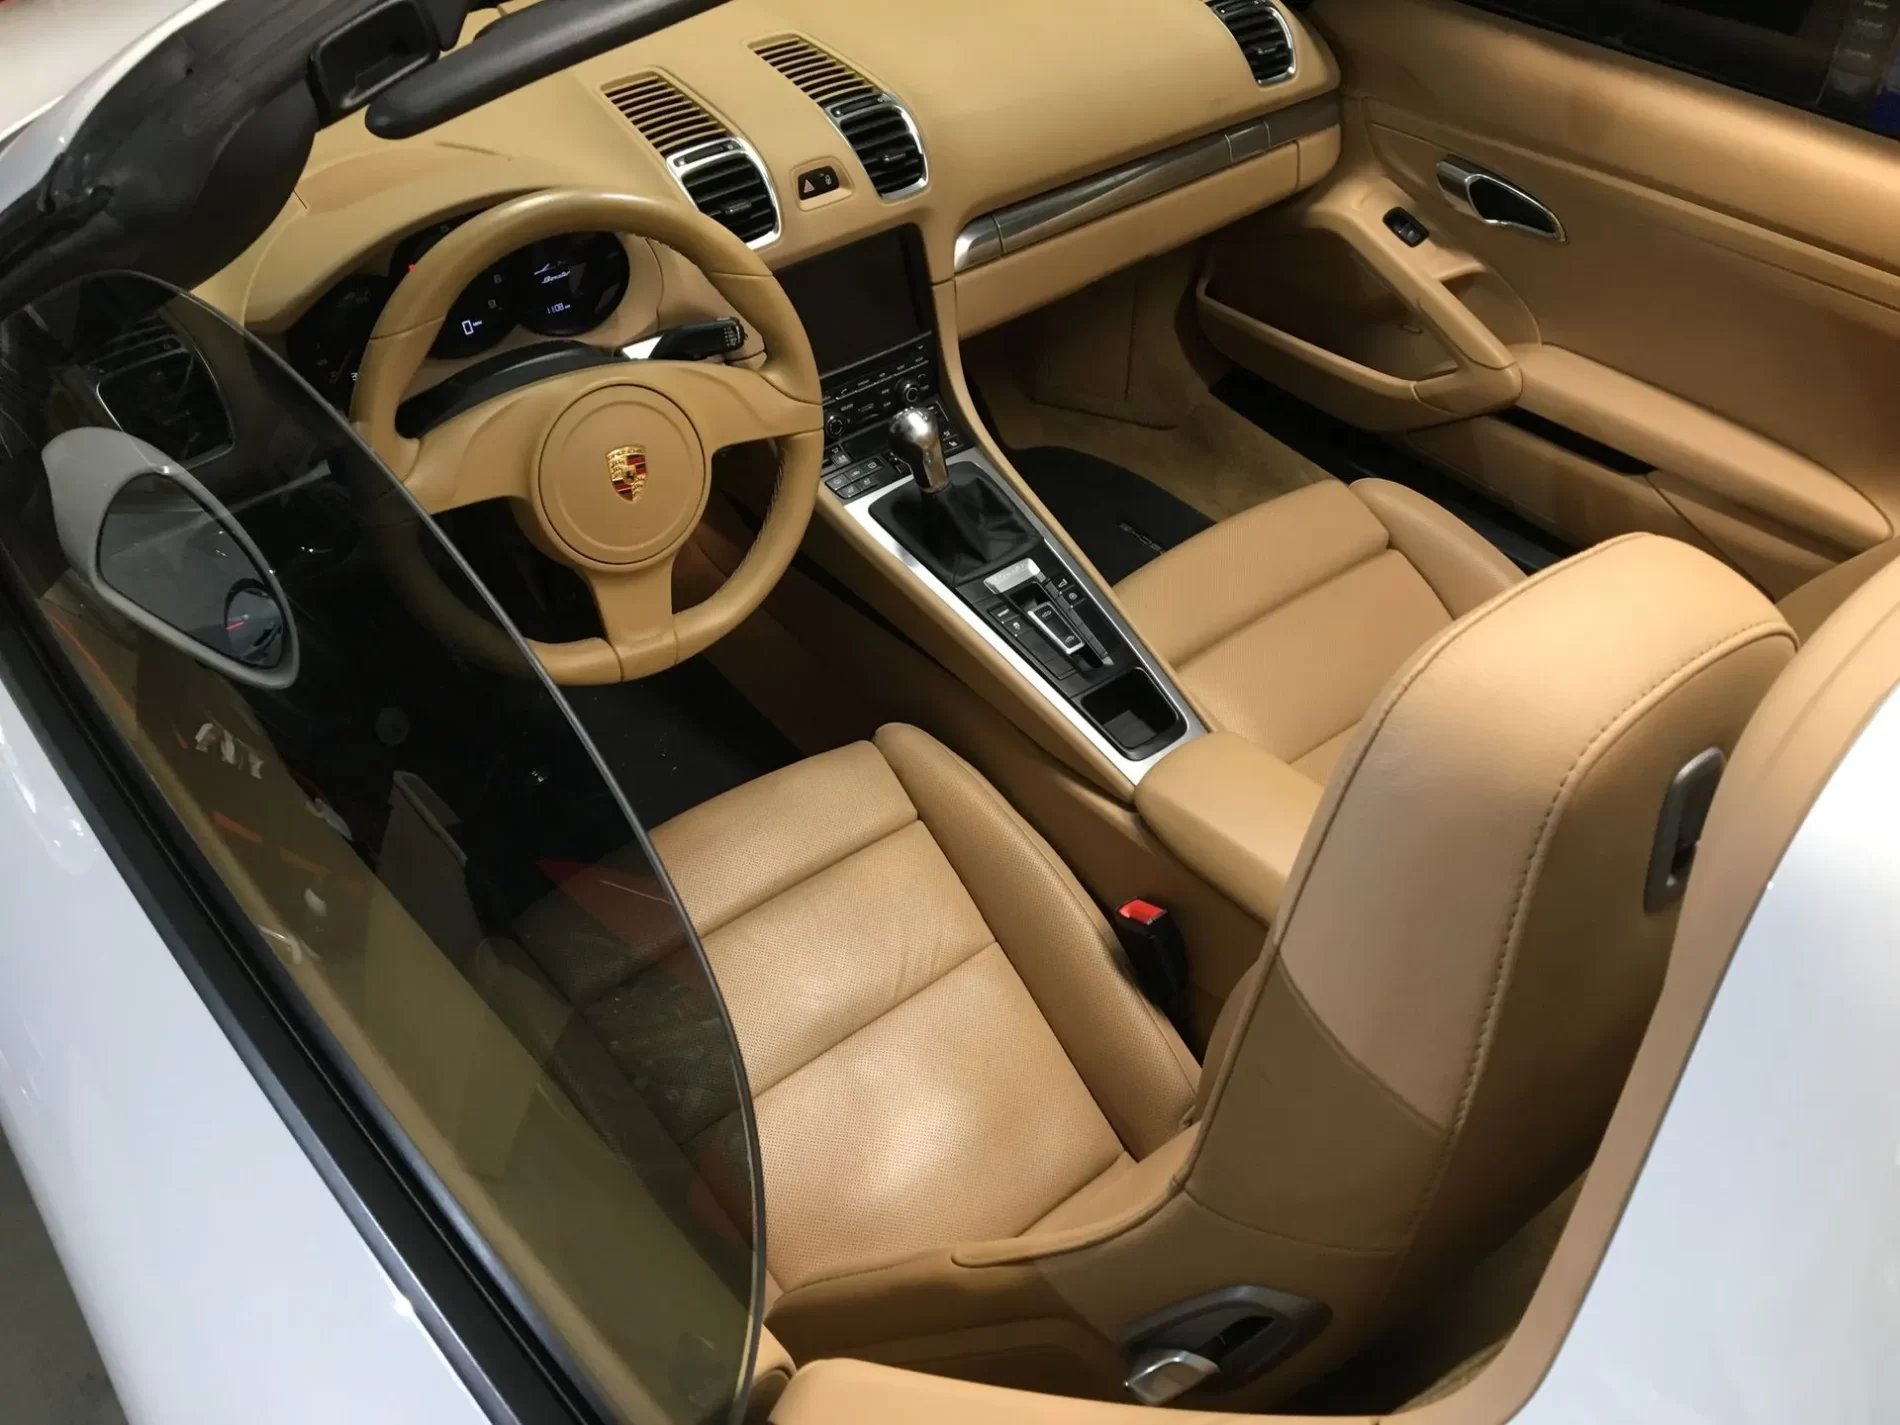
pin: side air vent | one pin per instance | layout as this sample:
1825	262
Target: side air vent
155	387
875	124
718	170
1262	36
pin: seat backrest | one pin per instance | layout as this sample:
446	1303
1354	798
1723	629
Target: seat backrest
1465	963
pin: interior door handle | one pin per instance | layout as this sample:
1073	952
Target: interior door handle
1494	200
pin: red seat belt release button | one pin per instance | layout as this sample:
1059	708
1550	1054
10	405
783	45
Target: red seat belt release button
1158	956
1141	912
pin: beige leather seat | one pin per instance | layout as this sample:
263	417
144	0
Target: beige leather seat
1283	622
985	1155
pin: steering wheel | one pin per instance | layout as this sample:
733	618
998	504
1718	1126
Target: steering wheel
615	460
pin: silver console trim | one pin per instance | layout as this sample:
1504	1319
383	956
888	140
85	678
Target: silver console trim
859	511
1034	220
1010	576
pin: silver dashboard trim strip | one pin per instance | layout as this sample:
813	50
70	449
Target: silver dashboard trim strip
1009	230
859	511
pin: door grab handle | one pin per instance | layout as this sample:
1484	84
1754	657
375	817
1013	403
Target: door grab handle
1495	201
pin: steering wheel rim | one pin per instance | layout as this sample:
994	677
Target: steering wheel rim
615	460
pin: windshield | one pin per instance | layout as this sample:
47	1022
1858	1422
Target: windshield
432	867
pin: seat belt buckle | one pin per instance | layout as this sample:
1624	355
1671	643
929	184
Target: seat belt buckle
1151	938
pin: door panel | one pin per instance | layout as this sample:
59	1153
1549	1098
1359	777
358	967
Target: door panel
1725	307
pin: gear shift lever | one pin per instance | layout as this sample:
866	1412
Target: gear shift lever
955	521
916	430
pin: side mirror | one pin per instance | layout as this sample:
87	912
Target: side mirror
159	548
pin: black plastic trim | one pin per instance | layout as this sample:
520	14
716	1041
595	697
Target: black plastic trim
1574	441
495	376
518	49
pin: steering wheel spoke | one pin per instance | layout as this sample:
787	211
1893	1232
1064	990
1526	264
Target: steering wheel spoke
638	629
488	453
731	405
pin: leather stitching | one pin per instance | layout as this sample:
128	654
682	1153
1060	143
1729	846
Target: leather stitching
1084	908
1376	719
1259	615
1606	735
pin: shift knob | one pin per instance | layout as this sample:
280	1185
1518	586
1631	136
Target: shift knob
916	429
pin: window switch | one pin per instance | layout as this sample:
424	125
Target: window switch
1406	228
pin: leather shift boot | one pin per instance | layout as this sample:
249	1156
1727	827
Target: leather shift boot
967	530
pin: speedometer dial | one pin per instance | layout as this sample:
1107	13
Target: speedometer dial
570	283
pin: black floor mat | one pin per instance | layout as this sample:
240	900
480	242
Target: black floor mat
1120	520
1354	454
679	738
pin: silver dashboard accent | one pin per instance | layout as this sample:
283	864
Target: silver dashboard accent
687	160
857	105
980	241
1047	215
859	511
1462	182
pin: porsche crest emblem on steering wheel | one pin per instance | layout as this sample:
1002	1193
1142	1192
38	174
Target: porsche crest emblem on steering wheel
627	468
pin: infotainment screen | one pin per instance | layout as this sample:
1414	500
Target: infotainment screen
860	300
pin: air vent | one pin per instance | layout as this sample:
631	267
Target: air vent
875	124
885	141
728	187
666	118
718	170
1262	35
157	388
825	77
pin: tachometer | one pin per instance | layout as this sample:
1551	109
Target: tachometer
570	283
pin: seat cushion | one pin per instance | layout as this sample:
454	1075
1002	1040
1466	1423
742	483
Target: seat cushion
1284	622
942	1042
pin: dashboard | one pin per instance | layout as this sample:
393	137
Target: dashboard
1028	145
563	286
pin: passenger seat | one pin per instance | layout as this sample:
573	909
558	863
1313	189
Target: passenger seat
1282	623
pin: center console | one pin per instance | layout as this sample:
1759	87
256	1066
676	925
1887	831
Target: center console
901	461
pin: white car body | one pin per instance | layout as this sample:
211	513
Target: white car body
1754	1276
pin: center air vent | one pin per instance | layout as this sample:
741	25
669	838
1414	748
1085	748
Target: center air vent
717	169
875	124
1262	35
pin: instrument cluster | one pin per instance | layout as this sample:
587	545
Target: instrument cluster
558	287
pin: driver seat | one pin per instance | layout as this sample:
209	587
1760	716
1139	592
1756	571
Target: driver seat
985	1154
